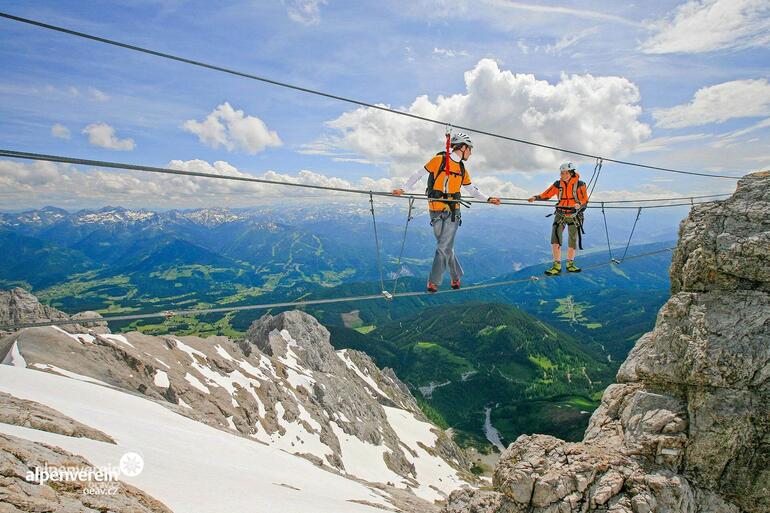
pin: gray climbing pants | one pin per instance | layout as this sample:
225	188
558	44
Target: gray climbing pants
445	230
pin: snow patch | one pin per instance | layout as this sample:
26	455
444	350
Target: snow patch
69	374
298	379
296	438
365	377
196	383
187	349
82	338
14	357
362	459
224	354
254	371
119	338
432	472
161	379
228	383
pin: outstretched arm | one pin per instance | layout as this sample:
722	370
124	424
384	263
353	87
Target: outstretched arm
476	193
548	193
411	181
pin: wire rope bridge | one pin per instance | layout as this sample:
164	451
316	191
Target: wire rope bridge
411	198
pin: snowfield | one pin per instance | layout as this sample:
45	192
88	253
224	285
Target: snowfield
189	466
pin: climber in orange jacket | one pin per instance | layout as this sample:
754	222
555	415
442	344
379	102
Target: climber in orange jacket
572	201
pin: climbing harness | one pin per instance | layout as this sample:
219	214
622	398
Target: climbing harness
452	199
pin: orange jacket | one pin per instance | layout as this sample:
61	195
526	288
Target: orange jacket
569	193
449	184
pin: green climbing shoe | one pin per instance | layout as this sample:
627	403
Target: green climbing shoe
572	268
556	269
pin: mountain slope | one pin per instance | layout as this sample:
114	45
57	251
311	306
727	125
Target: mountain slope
465	358
26	259
284	385
189	466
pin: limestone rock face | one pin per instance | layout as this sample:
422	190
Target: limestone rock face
19	306
18	457
724	245
25	413
687	427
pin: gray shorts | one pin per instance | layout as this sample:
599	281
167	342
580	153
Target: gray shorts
557	230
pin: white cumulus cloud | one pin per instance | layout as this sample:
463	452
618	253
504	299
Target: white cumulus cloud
231	128
706	25
103	135
47	183
597	115
718	103
306	12
60	131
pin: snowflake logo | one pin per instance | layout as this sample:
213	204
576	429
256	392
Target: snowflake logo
131	464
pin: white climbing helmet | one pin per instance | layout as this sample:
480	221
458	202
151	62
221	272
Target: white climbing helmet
461	138
567	166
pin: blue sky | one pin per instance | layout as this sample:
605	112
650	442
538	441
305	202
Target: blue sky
668	83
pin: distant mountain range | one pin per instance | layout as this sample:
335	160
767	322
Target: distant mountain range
115	260
282	247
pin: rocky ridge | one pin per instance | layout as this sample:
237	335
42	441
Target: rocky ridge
283	385
687	427
30	414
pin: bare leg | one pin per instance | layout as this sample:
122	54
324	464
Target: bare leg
570	253
556	249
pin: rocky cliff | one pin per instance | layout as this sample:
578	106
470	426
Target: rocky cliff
283	385
687	427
